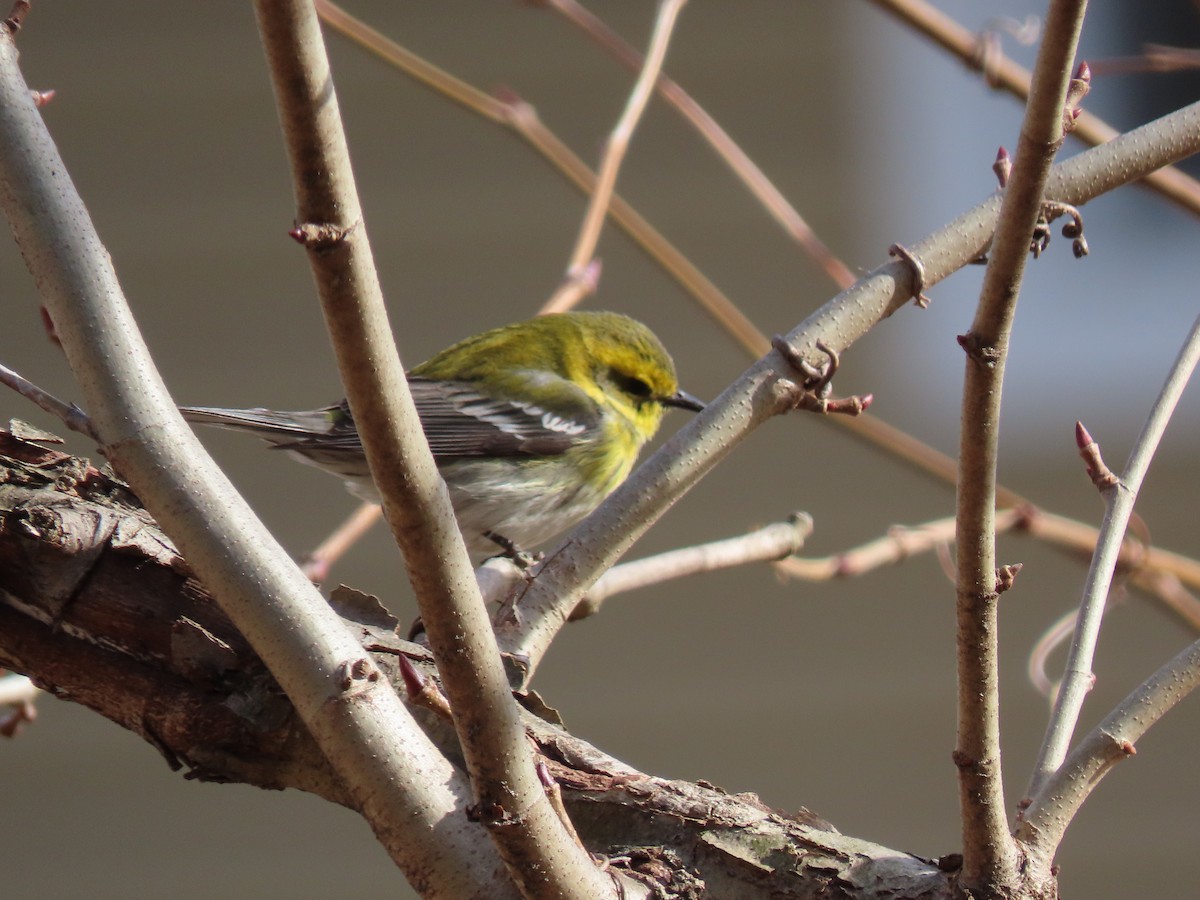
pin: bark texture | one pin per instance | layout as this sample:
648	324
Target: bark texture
98	607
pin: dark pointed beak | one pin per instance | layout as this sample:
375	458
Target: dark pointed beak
684	400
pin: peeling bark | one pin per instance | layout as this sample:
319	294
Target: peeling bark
97	607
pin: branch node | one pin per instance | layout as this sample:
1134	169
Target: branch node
422	691
1002	167
1006	576
918	270
321	236
1078	88
1097	470
1051	210
16	18
988	55
963	760
813	393
984	354
951	862
357	670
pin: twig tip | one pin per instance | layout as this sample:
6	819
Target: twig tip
1082	436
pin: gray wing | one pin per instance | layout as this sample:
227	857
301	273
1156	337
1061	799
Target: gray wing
458	421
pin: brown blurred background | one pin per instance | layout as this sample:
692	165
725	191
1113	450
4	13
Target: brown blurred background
837	697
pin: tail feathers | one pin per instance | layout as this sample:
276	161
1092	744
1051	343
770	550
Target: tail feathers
270	425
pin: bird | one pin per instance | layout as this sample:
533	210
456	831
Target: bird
531	424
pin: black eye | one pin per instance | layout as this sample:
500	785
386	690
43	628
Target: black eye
631	385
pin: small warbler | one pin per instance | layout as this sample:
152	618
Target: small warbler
531	424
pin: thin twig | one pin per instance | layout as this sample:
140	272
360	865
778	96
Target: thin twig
318	563
614	153
68	413
304	643
1169	181
1169	591
1052	809
899	544
574	288
738	161
989	853
1077	678
767	544
1052	638
425	72
538	853
514	113
761	392
1154	58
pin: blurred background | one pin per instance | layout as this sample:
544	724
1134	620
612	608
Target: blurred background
838	697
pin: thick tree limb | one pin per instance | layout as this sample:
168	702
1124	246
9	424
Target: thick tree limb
98	607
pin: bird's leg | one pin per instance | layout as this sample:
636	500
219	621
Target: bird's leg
522	558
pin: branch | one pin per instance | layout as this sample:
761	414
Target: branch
337	692
512	112
1119	499
1169	182
897	545
68	413
316	564
96	603
989	853
764	389
1061	795
540	856
738	161
614	153
771	543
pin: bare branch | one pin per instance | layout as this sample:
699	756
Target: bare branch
763	390
897	545
540	856
768	544
337	692
1169	182
1077	678
989	853
68	413
317	564
738	161
614	153
1052	808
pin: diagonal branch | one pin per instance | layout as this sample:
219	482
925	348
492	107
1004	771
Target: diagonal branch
614	153
1054	806
734	156
771	543
758	394
350	711
1169	182
540	856
1119	500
